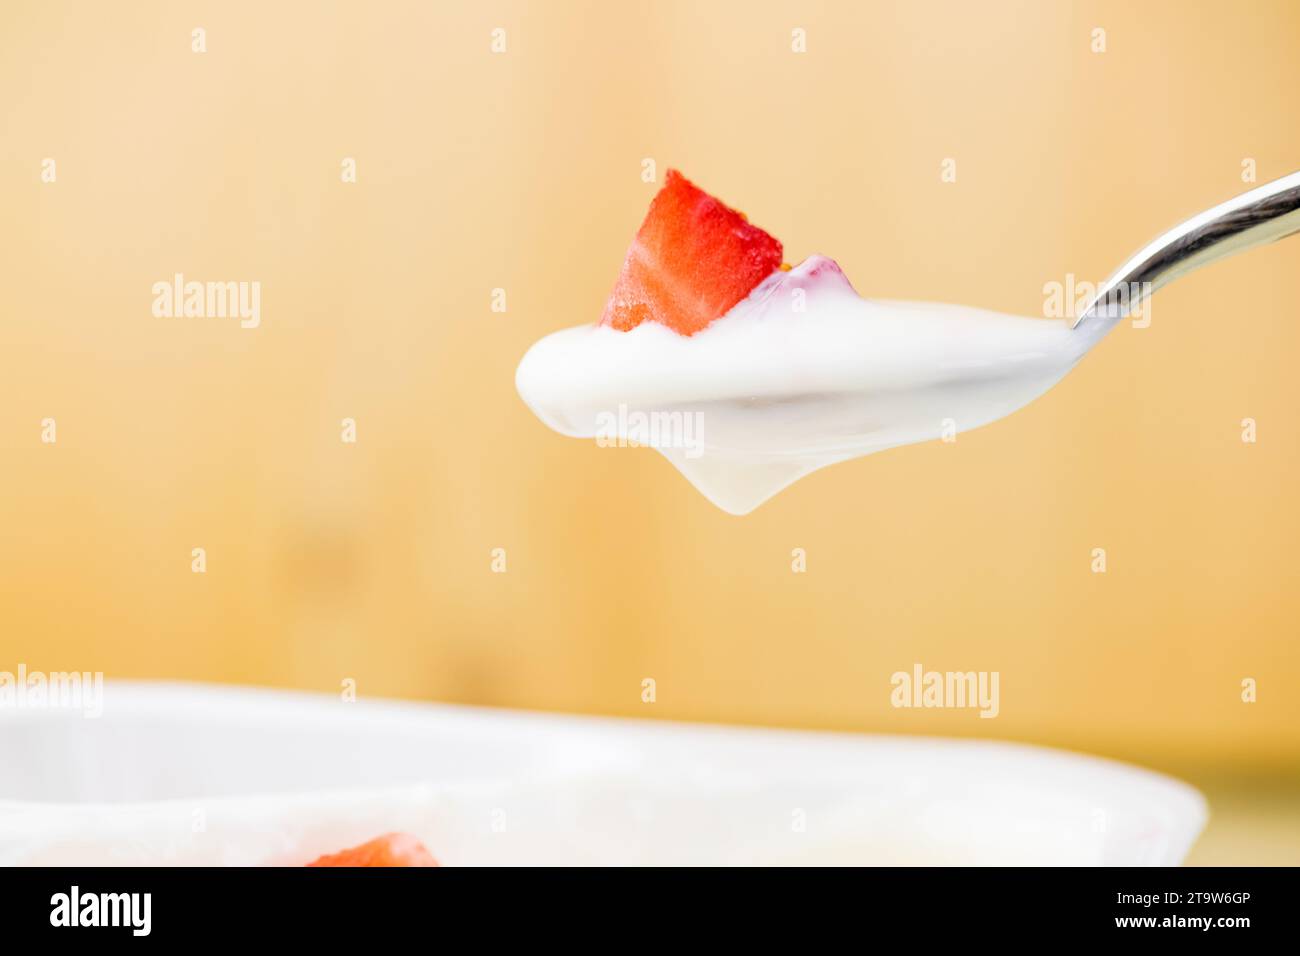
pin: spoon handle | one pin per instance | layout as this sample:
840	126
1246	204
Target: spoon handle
1262	215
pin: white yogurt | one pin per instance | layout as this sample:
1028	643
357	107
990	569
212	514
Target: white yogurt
802	374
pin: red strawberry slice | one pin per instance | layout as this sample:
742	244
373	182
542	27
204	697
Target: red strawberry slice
692	260
391	849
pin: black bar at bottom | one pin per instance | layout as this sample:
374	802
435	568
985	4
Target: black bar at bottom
327	906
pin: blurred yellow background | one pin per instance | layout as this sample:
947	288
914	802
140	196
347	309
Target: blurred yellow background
521	170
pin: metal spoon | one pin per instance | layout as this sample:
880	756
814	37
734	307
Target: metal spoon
1262	215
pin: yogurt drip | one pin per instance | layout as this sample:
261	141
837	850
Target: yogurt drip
801	374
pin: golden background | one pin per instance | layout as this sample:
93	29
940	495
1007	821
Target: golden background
522	170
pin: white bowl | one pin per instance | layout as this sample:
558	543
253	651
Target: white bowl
200	774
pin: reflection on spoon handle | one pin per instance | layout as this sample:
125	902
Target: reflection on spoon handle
1262	215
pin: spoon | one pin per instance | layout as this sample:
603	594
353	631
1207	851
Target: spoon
786	396
1262	215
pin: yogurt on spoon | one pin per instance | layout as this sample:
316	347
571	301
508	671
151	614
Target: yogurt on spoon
800	373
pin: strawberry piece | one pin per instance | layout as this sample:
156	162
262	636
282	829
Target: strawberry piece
692	260
391	849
